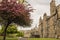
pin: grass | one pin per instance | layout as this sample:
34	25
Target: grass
30	38
1	38
43	39
11	39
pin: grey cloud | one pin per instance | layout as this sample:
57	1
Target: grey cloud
41	2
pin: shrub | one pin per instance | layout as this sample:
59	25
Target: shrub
20	34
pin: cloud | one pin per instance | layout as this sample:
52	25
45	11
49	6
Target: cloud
41	2
57	2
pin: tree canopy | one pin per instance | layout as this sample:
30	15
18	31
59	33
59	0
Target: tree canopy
14	11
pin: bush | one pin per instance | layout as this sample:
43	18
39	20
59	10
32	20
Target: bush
12	29
20	34
11	35
1	33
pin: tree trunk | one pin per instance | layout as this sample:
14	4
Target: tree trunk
5	29
4	38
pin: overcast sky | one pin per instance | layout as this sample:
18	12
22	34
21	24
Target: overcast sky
41	6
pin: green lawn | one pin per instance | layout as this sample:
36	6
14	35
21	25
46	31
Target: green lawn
30	38
8	38
43	39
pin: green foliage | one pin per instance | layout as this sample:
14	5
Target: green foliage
20	34
0	31
11	29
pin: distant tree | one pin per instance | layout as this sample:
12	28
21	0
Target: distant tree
11	29
14	12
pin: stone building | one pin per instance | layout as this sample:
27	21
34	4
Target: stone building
58	21
45	25
51	24
40	27
27	33
35	32
51	19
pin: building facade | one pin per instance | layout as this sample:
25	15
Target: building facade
49	26
51	23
